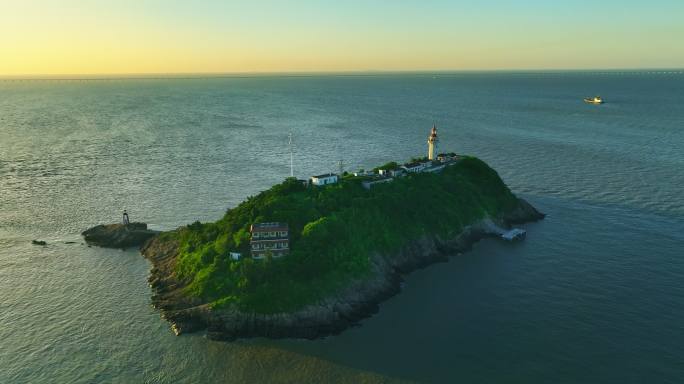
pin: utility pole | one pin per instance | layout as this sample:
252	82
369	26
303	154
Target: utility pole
341	166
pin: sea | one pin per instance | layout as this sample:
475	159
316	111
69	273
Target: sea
595	294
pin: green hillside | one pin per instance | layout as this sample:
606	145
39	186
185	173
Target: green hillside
333	231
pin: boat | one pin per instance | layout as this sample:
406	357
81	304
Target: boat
514	234
593	100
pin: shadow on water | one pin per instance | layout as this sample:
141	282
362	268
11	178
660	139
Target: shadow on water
515	312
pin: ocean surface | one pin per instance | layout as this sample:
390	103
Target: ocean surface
594	295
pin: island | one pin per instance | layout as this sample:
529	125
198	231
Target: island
310	258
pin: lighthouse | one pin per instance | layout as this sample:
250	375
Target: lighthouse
432	143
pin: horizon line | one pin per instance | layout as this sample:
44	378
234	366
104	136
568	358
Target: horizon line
370	72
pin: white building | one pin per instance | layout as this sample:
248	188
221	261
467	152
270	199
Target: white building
369	184
328	178
416	167
391	172
397	172
446	157
363	173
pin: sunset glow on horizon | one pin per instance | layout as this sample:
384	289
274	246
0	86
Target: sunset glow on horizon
143	37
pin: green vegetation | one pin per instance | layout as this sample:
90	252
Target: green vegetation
334	230
387	166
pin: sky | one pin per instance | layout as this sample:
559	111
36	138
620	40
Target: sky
61	37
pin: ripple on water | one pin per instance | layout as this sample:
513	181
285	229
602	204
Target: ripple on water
602	273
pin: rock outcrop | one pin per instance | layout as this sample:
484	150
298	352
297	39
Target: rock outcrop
119	235
358	300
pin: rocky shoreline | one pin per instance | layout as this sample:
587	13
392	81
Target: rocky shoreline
118	235
359	300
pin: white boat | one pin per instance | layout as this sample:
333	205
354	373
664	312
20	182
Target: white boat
593	100
514	234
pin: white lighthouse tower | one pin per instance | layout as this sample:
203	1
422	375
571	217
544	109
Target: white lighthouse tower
432	143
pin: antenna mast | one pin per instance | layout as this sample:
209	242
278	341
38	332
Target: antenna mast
291	158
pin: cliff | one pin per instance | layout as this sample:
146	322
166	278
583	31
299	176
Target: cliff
343	296
334	314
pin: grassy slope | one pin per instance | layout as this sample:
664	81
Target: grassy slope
333	230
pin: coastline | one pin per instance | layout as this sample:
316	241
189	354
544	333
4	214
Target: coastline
357	301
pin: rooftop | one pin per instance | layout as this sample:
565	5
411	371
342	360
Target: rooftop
269	226
414	164
323	176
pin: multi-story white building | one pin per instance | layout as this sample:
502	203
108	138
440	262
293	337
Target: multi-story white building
269	237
